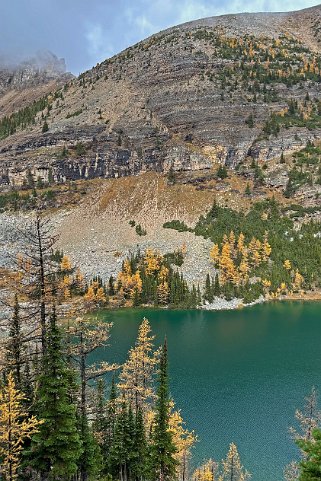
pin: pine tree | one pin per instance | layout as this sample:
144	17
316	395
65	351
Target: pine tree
56	449
162	450
15	428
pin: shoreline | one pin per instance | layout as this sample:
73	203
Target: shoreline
220	304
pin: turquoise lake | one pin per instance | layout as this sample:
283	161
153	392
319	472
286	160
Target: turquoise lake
236	375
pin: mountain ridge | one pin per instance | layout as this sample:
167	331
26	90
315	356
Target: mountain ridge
178	99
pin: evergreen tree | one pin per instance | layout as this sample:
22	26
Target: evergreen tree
14	349
162	450
111	288
310	466
221	172
139	458
90	461
109	430
121	453
208	292
216	289
56	449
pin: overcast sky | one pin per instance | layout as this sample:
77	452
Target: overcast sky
85	32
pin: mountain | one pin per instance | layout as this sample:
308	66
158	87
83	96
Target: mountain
208	92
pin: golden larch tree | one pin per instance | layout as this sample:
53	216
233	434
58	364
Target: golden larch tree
184	441
15	428
207	471
136	380
232	469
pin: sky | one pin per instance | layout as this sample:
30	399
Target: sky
86	32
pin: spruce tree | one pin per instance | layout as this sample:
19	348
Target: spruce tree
56	449
109	429
121	452
310	466
208	293
216	289
14	351
139	457
162	450
90	461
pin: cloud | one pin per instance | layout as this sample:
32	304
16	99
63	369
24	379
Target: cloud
85	33
99	46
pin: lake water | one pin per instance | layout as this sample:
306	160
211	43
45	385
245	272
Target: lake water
237	376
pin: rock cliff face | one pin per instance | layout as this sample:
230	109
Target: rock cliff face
213	91
45	66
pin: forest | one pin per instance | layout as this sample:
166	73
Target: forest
66	418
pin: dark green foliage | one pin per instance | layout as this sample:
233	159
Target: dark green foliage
74	114
111	286
22	118
176	258
171	176
209	290
178	225
162	449
310	466
122	448
302	248
15	347
45	127
139	230
56	449
80	148
90	461
297	178
221	172
248	189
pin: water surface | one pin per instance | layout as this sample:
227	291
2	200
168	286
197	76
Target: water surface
237	376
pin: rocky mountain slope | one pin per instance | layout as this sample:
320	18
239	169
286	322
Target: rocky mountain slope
213	91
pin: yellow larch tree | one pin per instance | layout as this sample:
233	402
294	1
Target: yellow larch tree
163	286
136	379
232	469
15	428
287	265
241	243
226	264
215	254
79	280
90	295
207	472
266	248
152	261
244	267
130	283
184	441
95	295
298	281
232	241
255	249
65	264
